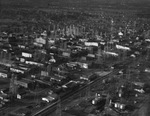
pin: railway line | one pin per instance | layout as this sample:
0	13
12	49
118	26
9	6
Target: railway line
52	107
63	100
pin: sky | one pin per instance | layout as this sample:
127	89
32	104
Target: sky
44	2
109	1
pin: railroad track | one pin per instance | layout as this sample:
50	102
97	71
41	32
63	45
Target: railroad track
52	107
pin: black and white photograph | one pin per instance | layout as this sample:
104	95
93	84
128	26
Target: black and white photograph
74	57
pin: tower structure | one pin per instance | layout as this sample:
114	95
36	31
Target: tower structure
123	2
58	110
112	31
0	7
13	86
99	55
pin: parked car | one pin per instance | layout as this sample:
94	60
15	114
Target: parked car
71	85
50	97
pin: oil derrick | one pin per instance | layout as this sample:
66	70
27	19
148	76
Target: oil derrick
99	55
47	38
54	32
43	56
1	55
125	30
34	56
123	2
124	55
0	7
36	96
49	69
59	109
112	31
128	73
46	44
9	56
148	53
107	100
5	56
88	92
13	86
65	45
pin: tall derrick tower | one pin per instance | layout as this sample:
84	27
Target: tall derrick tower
13	86
123	2
0	6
